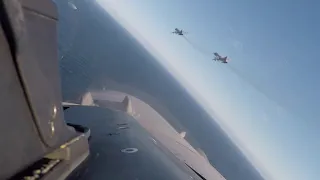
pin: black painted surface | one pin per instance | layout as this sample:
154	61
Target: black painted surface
106	160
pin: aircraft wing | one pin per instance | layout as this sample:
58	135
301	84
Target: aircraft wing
121	149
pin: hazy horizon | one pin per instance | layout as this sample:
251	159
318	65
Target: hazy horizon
95	51
265	98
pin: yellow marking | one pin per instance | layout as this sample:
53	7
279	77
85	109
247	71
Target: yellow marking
71	141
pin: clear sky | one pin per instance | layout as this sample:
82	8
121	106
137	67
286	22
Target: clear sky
267	98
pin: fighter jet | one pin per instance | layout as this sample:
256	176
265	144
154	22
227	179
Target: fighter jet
179	32
45	138
219	58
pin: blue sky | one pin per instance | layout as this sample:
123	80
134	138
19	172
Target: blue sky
267	97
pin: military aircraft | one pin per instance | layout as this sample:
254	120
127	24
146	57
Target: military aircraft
179	32
41	137
219	58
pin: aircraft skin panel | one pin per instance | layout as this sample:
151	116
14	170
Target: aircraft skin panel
111	133
33	32
19	141
31	123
